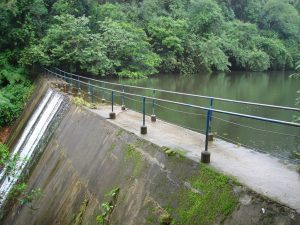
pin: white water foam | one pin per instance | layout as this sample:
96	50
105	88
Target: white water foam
30	138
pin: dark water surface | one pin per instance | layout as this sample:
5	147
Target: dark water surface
269	88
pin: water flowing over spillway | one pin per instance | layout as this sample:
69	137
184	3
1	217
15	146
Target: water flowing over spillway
29	140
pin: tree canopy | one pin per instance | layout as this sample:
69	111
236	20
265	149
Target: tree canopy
140	38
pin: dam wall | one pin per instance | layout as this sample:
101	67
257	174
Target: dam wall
89	163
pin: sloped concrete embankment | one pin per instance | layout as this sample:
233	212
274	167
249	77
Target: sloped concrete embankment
90	162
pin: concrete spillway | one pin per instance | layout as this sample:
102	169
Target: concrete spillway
29	140
86	157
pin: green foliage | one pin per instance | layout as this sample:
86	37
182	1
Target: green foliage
8	73
4	155
29	197
205	16
129	49
297	75
168	37
282	17
18	192
138	38
70	42
12	101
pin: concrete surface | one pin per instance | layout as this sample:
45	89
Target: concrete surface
260	172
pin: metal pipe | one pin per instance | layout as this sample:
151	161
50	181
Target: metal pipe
210	118
92	93
103	89
144	110
153	102
112	100
122	96
207	129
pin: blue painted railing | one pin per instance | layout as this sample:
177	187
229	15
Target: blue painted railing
71	79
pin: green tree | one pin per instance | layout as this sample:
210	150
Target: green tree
128	47
282	17
168	38
205	16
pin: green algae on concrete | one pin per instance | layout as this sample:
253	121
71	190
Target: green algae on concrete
210	200
120	132
133	155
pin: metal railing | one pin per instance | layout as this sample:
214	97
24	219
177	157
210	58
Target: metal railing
77	80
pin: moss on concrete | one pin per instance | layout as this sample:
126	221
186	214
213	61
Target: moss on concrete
133	155
120	132
210	200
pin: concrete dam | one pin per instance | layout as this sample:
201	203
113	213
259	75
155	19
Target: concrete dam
94	171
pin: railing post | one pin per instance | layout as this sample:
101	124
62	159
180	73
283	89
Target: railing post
71	85
92	93
144	127
205	155
112	114
65	83
78	86
210	134
89	91
153	116
123	107
103	98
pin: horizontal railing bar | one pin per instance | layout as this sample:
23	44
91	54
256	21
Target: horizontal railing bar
193	106
192	95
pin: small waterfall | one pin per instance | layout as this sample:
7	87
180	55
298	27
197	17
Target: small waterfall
29	140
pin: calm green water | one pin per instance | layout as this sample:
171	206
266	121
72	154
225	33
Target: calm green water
269	88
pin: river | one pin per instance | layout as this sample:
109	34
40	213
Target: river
269	88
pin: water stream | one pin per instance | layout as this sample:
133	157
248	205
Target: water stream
29	140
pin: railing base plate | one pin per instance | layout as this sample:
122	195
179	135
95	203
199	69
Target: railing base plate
143	129
112	115
205	157
153	118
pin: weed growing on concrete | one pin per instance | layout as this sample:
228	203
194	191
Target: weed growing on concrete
24	198
165	219
174	152
79	216
81	102
108	207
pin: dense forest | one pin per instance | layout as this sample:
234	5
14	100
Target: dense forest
138	38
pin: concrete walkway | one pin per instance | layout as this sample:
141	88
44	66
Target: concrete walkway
260	172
